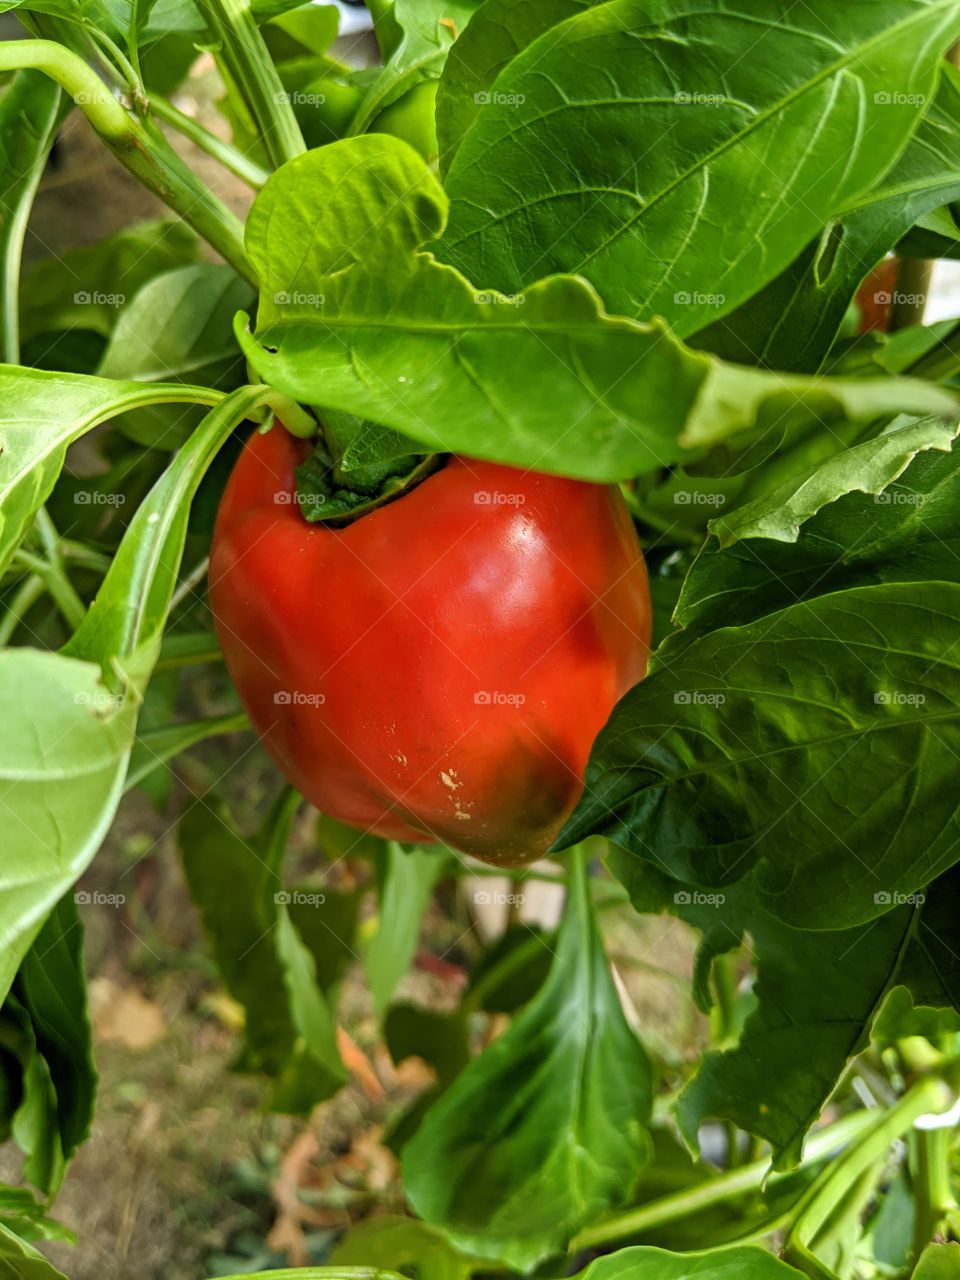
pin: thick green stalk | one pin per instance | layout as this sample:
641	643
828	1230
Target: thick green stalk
933	1184
248	63
140	147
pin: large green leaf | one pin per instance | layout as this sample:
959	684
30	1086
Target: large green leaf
546	1128
792	323
70	717
902	530
496	34
384	331
41	414
814	746
694	147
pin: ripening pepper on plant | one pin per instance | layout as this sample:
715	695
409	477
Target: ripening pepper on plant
438	669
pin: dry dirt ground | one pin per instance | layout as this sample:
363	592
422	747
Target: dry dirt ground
185	1174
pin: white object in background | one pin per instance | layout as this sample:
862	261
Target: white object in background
353	17
947	1120
944	300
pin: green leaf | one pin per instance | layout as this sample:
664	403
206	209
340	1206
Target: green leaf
70	717
812	745
512	970
440	1039
178	329
402	1242
154	747
31	109
868	468
260	954
41	414
51	987
740	166
89	288
939	1262
62	758
22	1213
546	1128
407	880
393	336
20	1261
792	323
316	1071
900	1018
428	29
497	33
740	1263
820	996
817	995
907	532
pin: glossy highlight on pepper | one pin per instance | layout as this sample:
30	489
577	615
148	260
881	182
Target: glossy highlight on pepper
436	671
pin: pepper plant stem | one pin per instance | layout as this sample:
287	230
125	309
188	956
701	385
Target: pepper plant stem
22	600
929	1094
140	147
229	156
934	1196
56	582
249	66
728	1186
